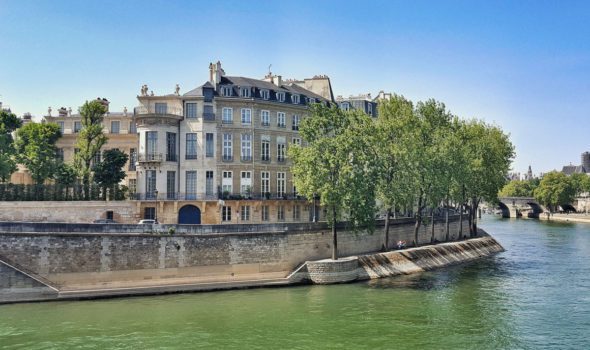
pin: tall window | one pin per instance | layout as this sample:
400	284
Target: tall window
245	92
281	96
297	141
265	118
295	122
226	91
245	213
61	127
150	184
77	127
227	115
171	146
132	186
281	213
246	116
209	183
115	126
246	147
132	127
151	138
132	158
209	145
149	213
280	149
246	183
227	182
191	146
265	148
227	147
190	110
191	184
295	99
161	108
265	182
59	154
281	119
264	94
171	185
281	184
264	211
225	213
296	213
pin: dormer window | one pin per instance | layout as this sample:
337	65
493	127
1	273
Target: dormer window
264	94
281	96
295	99
370	109
344	106
245	92
310	100
226	91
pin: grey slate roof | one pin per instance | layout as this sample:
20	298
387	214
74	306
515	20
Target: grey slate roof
573	169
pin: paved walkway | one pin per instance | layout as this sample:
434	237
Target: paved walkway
567	217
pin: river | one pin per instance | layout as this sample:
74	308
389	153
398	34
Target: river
536	295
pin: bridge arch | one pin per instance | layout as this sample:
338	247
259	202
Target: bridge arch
504	208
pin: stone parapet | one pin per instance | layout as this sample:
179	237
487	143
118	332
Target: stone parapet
330	271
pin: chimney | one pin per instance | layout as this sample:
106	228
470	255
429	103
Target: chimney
63	112
215	73
277	80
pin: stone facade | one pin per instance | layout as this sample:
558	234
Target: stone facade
75	212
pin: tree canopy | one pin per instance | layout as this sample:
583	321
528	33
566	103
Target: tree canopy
109	172
8	123
555	189
35	148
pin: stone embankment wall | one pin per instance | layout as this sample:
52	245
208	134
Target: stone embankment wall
66	211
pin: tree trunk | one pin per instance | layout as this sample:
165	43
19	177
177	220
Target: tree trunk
386	242
474	204
447	220
418	217
432	229
334	236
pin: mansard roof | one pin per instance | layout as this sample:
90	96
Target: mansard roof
573	169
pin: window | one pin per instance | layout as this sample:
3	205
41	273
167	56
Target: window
245	213
280	149
225	213
297	141
227	182
265	182
226	90
150	184
110	215
132	186
209	183
227	115
246	116
161	108
132	158
264	213
246	183
370	109
295	122
191	146
171	147
227	147
171	185
265	118
209	145
151	139
61	127
310	100
96	158
280	213
246	147
264	94
296	213
281	96
77	127
344	106
208	113
245	92
281	119
190	110
191	184
295	99
115	126
265	148
149	213
132	127
59	154
280	184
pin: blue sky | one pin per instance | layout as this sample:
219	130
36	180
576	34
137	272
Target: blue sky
524	65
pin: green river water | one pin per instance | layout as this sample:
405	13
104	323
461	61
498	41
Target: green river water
536	295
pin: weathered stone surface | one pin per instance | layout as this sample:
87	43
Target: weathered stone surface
330	271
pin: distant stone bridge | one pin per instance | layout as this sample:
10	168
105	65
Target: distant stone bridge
514	207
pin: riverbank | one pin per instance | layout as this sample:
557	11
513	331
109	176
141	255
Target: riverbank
582	218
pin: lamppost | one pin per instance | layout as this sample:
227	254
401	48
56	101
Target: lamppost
156	211
314	219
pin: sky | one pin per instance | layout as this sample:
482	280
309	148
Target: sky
522	65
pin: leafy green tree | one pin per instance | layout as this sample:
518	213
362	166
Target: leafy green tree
580	182
90	141
109	172
518	188
65	175
336	166
8	123
555	189
35	149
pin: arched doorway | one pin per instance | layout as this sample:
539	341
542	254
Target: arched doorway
189	214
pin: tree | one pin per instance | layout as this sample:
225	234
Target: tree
8	123
65	175
518	188
90	141
35	149
389	155
580	182
336	166
109	172
555	189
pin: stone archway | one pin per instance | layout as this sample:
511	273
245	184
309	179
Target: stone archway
189	214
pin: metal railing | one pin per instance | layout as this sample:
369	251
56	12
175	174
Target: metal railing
143	110
150	157
209	116
183	196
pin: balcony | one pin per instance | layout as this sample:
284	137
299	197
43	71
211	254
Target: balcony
150	158
209	116
160	111
172	196
246	158
259	196
227	158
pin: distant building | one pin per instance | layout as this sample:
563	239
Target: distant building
583	168
363	102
